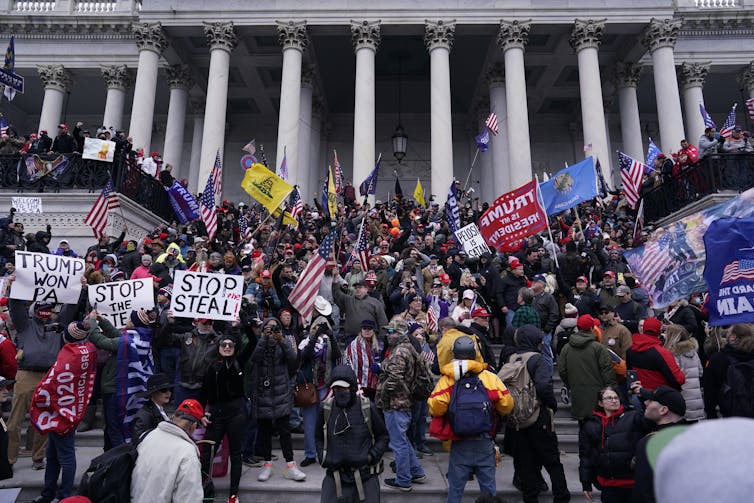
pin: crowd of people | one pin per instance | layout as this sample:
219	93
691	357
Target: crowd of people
349	378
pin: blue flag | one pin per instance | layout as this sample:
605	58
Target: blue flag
729	270
652	154
452	212
569	187
369	185
323	200
708	122
183	202
134	364
483	140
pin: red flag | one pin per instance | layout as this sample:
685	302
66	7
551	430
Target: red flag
513	216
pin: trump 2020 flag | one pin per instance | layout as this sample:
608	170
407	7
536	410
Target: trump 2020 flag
570	186
729	270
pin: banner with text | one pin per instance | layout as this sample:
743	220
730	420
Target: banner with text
472	240
206	295
41	277
27	204
512	217
99	150
183	202
116	300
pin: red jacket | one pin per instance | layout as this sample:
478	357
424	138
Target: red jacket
654	365
8	363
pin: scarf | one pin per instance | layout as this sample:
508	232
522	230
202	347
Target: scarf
359	356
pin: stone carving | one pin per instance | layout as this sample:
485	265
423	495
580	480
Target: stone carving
292	35
746	77
693	74
221	36
117	77
179	76
495	75
513	34
150	37
55	77
661	33
365	34
586	33
439	34
627	74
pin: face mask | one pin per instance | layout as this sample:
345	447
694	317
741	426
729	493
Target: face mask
105	268
342	396
696	301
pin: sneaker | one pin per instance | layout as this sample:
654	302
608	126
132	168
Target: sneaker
391	483
307	462
233	499
293	473
266	472
253	462
38	465
425	450
419	480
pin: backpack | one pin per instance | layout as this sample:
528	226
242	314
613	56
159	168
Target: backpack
738	390
563	337
516	378
423	384
108	478
470	410
366	413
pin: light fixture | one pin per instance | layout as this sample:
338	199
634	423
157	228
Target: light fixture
400	139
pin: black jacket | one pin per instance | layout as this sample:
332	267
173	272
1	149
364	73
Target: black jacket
273	364
716	374
39	245
146	419
510	285
64	144
644	475
487	354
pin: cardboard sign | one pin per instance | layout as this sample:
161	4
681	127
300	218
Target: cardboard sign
98	150
512	217
472	240
116	300
206	295
27	204
47	278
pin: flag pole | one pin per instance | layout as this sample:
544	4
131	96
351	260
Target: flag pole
549	229
473	161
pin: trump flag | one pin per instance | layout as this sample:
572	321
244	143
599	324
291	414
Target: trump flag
513	216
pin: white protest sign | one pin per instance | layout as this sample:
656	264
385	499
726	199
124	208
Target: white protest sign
206	295
27	204
41	277
472	240
116	300
99	150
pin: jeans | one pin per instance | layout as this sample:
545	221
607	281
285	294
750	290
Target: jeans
547	350
310	424
475	456
170	362
61	455
509	317
249	438
417	433
406	464
113	425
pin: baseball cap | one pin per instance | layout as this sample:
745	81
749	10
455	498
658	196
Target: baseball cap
368	324
586	322
622	291
652	326
539	277
340	383
266	274
514	263
667	396
608	273
191	409
468	294
399	326
480	312
582	278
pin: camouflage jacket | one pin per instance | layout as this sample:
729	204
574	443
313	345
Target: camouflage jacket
393	387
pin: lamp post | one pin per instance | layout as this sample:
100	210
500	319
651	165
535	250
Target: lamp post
400	139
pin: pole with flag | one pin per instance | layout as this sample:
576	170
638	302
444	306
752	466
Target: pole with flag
631	175
652	152
338	173
398	190
208	207
10	65
639	222
708	122
217	176
730	122
332	201
491	125
369	186
98	215
419	194
283	169
303	294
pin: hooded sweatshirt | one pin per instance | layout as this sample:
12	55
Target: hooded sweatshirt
716	373
654	365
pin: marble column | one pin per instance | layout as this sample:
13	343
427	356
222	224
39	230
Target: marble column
197	110
179	79
57	81
151	41
499	153
747	79
512	39
294	40
365	36
692	76
438	38
585	40
317	167
305	129
626	79
221	38
660	37
118	79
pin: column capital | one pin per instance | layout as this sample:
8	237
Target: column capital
587	33
55	77
692	74
439	34
513	34
661	33
627	74
365	34
150	36
292	35
308	76
117	77
179	77
495	76
220	36
197	105
746	77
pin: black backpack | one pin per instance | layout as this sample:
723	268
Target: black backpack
108	478
738	390
470	410
563	337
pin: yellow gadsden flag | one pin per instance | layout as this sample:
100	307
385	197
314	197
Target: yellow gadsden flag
332	202
419	194
265	186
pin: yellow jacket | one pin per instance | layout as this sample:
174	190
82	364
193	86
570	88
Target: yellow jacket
445	347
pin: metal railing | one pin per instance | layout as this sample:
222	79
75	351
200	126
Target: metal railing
714	173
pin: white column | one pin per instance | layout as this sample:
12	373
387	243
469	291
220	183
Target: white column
499	152
585	40
305	130
626	80
365	36
294	41
179	79
197	109
118	79
221	38
512	39
692	76
56	80
151	41
659	38
315	150
746	78
438	37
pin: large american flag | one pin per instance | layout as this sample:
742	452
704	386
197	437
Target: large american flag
296	205
97	217
361	250
491	123
431	319
730	122
738	269
207	207
306	289
708	122
631	174
243	225
217	176
338	174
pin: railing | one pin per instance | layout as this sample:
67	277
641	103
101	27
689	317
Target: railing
86	174
730	172
715	4
95	6
34	6
27	7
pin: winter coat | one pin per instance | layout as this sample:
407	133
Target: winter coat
549	313
615	336
688	361
105	337
147	418
685	317
715	375
40	343
171	453
586	368
445	345
273	364
198	352
398	372
528	339
654	365
39	245
707	146
356	310
510	286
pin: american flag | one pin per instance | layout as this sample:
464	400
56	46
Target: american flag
750	108
631	174
491	123
243	225
296	205
361	250
738	269
652	263
207	208
217	176
730	122
306	289
338	174
283	169
250	147
708	122
3	125
431	319
604	189
97	217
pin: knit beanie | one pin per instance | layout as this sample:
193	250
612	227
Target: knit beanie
76	331
140	318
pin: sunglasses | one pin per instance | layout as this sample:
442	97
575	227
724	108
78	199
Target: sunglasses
275	328
165	390
390	331
227	344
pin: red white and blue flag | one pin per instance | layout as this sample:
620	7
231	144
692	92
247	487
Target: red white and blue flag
730	122
750	108
492	123
283	169
631	175
303	294
361	250
217	176
97	217
296	205
243	226
207	207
